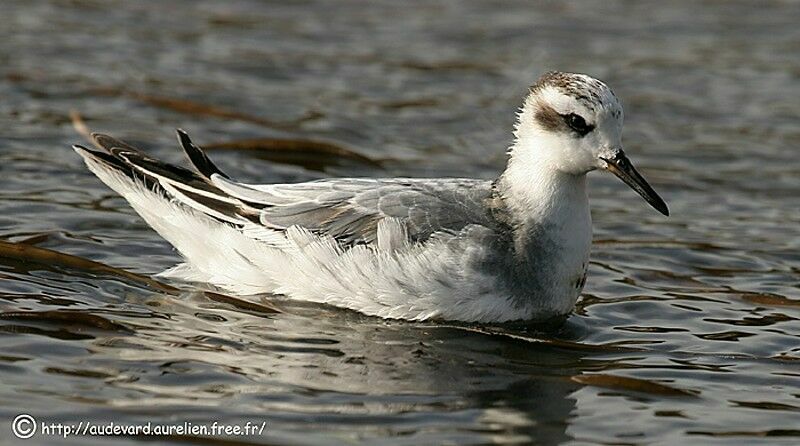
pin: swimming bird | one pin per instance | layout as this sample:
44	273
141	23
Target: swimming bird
457	249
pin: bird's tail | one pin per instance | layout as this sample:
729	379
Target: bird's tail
211	229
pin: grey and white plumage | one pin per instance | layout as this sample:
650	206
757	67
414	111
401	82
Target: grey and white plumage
440	248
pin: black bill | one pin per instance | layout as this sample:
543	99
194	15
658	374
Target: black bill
621	166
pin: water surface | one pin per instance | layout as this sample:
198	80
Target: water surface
687	331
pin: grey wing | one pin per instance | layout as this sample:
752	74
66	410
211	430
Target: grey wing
347	209
350	209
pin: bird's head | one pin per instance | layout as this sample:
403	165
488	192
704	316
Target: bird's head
573	123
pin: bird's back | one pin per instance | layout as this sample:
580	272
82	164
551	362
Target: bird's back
349	209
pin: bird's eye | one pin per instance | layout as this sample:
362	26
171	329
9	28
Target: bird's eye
578	124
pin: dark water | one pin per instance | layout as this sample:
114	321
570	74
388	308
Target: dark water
688	328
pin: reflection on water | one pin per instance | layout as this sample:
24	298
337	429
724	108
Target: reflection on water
688	328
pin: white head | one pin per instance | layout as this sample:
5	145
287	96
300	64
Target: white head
572	123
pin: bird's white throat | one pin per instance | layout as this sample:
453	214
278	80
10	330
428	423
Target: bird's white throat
535	189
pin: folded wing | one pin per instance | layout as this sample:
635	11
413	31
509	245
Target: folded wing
349	210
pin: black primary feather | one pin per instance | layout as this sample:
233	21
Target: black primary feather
198	158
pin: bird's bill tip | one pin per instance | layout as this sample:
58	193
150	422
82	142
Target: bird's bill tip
621	166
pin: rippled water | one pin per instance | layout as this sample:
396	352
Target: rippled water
688	328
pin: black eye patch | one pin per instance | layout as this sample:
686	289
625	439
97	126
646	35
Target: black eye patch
577	123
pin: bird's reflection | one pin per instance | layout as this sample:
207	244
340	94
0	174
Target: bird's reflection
335	367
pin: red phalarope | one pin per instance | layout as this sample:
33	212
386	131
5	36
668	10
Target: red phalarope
418	249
